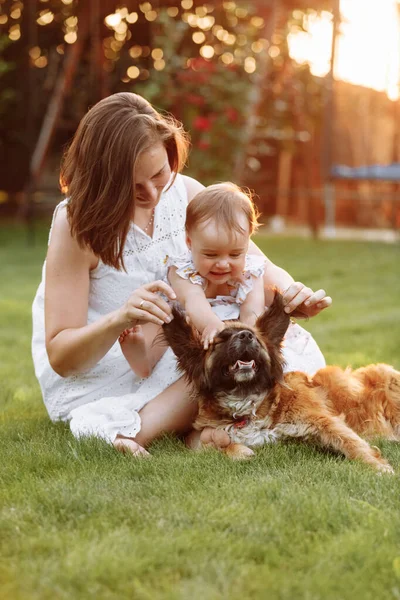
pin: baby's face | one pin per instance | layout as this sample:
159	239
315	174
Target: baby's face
219	254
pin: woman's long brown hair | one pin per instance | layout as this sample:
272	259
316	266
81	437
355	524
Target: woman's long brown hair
98	169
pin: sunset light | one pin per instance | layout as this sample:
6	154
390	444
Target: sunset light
367	49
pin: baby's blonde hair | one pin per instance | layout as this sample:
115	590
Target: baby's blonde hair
222	202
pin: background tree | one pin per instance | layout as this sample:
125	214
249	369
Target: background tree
200	61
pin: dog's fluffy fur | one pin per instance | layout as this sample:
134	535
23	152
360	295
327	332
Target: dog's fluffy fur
240	387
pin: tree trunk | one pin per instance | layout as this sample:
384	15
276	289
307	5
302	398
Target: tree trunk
54	109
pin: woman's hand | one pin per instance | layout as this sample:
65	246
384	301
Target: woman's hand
145	305
300	300
210	332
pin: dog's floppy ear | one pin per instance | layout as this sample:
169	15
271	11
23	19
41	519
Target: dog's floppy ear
273	322
185	342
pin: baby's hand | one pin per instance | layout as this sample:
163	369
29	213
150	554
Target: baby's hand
210	332
302	299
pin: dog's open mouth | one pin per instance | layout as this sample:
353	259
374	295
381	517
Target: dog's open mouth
243	366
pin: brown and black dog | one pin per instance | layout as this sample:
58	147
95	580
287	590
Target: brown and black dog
240	387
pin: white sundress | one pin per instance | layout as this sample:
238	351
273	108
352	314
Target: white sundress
106	399
300	350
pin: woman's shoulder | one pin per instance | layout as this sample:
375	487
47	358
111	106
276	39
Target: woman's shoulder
192	186
60	232
60	220
63	243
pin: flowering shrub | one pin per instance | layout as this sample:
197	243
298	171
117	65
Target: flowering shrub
208	96
210	100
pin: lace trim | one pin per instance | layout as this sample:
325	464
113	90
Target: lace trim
153	242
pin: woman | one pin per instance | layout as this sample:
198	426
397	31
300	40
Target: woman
104	273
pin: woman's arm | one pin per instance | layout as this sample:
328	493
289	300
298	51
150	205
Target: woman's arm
273	275
72	345
296	296
198	309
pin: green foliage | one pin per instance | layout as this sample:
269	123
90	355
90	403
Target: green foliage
78	520
210	100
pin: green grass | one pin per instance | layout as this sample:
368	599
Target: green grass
79	520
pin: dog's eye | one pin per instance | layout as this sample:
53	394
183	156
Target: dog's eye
225	372
223	336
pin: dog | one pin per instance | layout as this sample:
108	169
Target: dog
240	387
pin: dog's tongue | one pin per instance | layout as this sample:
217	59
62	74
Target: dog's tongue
243	364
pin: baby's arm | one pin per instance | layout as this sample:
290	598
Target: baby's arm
194	301
254	304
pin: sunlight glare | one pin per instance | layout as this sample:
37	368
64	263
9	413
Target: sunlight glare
367	47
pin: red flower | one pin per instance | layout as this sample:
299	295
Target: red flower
232	114
195	99
200	78
203	145
202	123
201	64
186	76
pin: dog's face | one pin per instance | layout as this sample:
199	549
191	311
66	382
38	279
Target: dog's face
238	357
242	362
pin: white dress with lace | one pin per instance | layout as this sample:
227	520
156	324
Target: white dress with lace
300	350
106	399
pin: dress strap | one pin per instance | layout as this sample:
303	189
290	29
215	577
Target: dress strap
179	183
57	208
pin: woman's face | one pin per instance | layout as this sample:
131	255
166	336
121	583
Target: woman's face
152	175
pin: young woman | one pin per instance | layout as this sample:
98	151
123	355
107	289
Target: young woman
105	270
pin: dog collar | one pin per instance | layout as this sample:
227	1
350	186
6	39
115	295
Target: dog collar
240	424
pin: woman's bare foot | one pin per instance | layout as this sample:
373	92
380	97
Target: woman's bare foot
217	438
127	445
133	347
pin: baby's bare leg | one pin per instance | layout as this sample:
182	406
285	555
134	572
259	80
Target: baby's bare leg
139	348
133	347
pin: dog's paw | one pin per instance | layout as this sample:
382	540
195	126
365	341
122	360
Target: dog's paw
238	452
384	468
216	438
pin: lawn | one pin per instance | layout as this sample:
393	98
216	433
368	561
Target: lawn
78	520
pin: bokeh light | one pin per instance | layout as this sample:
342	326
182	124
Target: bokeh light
207	51
133	72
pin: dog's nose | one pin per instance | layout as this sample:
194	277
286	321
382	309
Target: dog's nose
246	335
